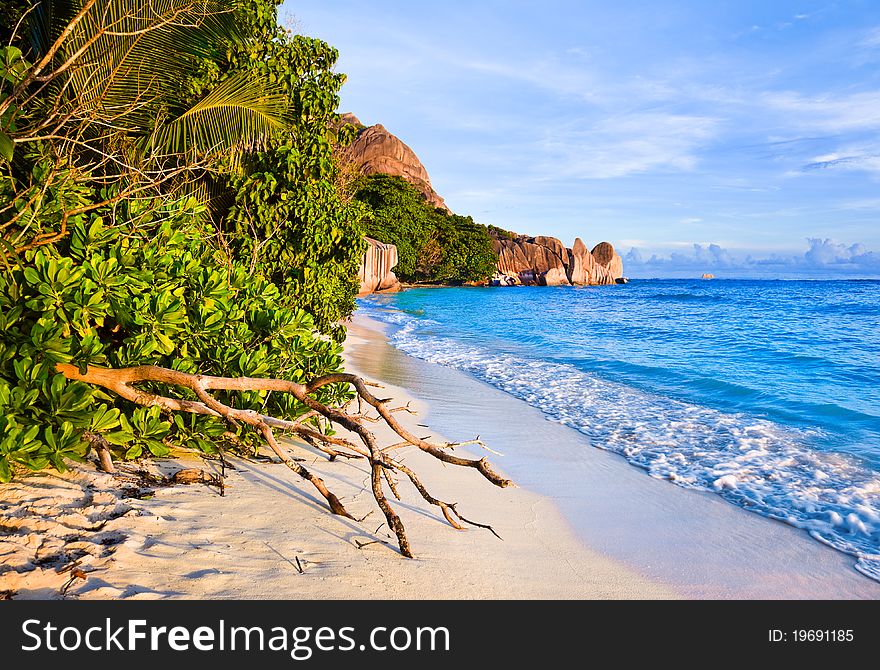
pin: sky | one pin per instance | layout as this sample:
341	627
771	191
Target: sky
733	137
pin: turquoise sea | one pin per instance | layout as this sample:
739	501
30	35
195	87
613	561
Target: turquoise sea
764	392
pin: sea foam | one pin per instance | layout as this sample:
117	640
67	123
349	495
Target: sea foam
757	464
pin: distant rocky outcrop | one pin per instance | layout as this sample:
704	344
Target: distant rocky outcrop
376	271
522	260
545	261
375	150
606	256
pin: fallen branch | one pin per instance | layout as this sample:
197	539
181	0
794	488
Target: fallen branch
195	476
102	448
124	382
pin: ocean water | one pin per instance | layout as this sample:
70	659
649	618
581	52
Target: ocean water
766	393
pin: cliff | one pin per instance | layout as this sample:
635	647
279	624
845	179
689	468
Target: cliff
545	261
522	260
375	150
376	268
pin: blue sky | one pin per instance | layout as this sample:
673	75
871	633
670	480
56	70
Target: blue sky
733	137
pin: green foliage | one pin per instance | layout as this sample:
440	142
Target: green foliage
145	431
186	216
299	233
138	76
500	234
467	253
433	246
11	11
287	213
146	290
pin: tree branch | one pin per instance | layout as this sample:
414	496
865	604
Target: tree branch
124	382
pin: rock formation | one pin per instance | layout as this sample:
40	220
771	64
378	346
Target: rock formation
605	255
376	268
522	260
375	150
545	261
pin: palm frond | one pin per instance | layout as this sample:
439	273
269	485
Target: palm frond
238	113
136	51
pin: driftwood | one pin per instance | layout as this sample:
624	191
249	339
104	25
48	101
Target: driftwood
102	448
124	382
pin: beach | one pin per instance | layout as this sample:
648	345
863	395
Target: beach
582	523
271	537
691	541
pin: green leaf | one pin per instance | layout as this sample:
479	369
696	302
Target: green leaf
104	419
166	346
6	147
205	446
157	448
238	108
58	462
119	437
5	471
31	434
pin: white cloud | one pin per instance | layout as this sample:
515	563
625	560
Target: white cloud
627	144
825	252
571	73
864	158
866	204
871	40
631	243
827	113
636	142
824	257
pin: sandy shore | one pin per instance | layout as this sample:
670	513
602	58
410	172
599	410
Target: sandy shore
271	537
583	524
696	543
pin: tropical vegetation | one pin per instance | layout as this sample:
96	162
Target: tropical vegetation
177	249
167	197
433	245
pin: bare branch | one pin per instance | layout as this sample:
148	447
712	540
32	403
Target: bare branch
124	383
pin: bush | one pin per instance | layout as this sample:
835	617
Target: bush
432	246
146	290
180	211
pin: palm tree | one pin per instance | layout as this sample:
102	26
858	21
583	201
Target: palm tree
105	86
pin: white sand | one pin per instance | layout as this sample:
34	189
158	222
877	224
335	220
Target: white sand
188	542
52	524
584	524
697	542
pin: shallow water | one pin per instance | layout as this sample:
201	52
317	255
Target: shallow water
765	393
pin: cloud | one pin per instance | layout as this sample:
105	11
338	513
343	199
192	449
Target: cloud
549	73
634	257
864	204
862	159
871	40
827	113
627	144
826	252
823	258
653	134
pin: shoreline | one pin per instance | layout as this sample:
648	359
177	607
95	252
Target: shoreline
695	542
270	537
583	524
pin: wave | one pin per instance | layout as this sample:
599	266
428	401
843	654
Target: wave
762	466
